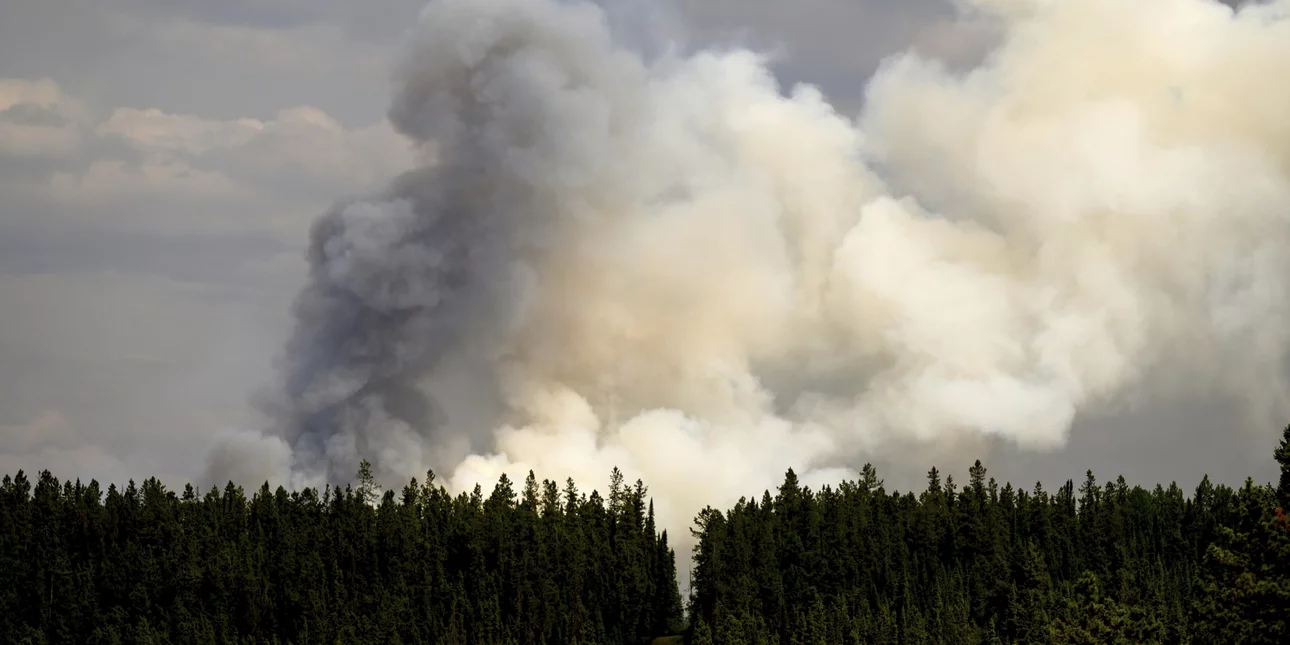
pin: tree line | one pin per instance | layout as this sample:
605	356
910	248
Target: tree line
1098	564
1101	563
147	565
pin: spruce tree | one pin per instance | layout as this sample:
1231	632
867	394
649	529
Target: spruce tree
368	490
1282	455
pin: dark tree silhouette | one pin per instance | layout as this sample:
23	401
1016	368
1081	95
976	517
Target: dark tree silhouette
1107	563
144	565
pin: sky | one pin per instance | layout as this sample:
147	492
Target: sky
161	161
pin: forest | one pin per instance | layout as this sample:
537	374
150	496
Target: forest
1101	564
146	565
851	564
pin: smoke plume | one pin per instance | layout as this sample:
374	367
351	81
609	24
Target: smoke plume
673	265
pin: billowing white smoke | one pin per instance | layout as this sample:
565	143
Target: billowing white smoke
670	266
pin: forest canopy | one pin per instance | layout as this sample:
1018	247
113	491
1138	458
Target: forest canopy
985	563
851	564
147	565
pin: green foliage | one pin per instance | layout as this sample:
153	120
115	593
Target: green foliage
1245	582
1102	565
1282	455
368	490
353	565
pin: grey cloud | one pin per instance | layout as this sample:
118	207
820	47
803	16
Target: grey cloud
145	286
190	56
144	370
228	259
1158	441
836	44
88	150
374	20
136	54
48	441
31	114
163	179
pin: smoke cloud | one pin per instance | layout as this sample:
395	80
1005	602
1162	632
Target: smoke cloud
672	265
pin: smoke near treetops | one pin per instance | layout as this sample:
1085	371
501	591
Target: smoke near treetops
672	265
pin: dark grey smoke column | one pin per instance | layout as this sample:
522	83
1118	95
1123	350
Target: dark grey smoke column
389	280
497	96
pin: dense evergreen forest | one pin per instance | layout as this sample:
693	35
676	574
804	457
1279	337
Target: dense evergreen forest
1097	564
144	565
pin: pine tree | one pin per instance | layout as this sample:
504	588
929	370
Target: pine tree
368	490
147	565
1282	455
1109	563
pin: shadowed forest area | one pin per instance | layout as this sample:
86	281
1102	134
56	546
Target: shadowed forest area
144	565
1098	564
1093	564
